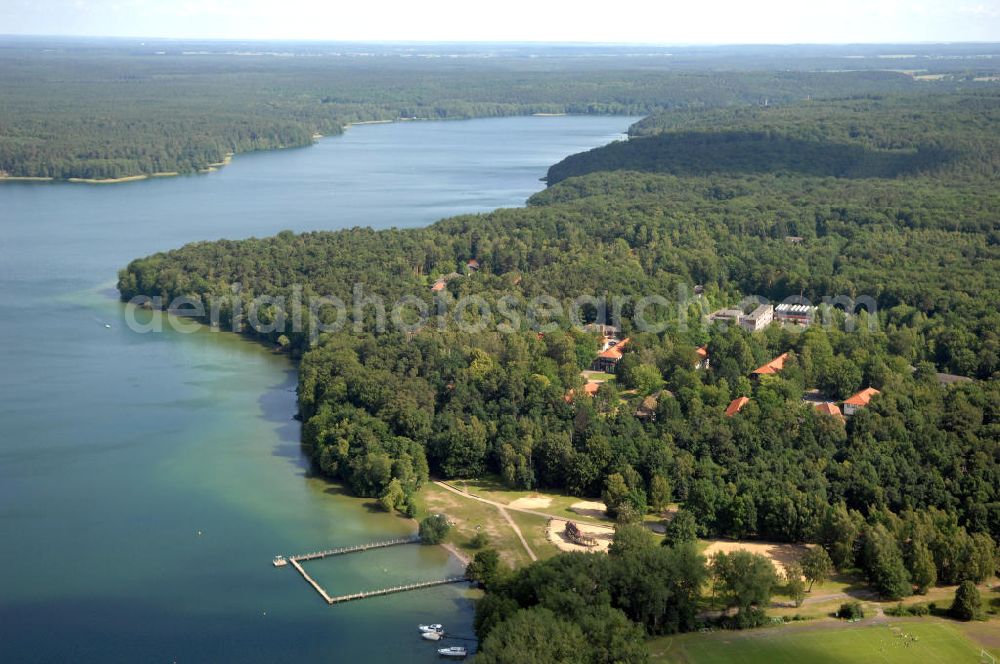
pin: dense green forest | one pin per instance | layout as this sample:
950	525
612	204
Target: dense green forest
907	489
94	110
862	137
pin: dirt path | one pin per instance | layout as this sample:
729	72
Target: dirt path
867	595
500	508
467	494
517	531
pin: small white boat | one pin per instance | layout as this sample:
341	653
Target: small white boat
279	561
436	627
107	325
432	636
458	652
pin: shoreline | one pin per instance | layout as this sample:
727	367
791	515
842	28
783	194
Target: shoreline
213	167
366	122
25	178
210	168
127	178
454	550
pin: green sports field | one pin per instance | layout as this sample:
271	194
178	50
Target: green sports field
926	642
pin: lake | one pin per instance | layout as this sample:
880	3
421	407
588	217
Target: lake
147	480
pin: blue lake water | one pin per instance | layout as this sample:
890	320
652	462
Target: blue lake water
146	480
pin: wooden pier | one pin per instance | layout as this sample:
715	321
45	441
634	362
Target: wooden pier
312	581
295	561
395	589
356	548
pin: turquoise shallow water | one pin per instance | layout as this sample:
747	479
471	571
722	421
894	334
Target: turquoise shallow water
118	448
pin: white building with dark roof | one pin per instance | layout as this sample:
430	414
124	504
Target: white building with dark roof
798	314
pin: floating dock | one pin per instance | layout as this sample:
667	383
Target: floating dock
295	561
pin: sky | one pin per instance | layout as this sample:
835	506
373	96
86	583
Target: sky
621	21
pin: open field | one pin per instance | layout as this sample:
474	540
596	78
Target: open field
466	515
558	504
534	529
599	376
929	641
825	599
529	511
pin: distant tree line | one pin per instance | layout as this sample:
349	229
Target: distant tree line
75	112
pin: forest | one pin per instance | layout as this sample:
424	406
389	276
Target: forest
900	214
99	110
873	136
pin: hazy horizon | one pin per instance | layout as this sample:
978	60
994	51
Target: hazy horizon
497	42
633	22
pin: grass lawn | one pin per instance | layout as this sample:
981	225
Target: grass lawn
598	375
927	641
467	515
853	584
815	606
493	489
533	528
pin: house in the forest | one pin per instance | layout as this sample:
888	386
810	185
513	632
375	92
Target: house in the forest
830	408
773	367
736	405
608	359
858	401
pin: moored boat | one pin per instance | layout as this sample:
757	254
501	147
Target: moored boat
436	627
457	652
432	636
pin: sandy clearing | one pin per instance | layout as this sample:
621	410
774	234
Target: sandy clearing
531	503
779	554
591	508
555	529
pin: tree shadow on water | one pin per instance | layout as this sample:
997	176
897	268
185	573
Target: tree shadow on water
278	405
